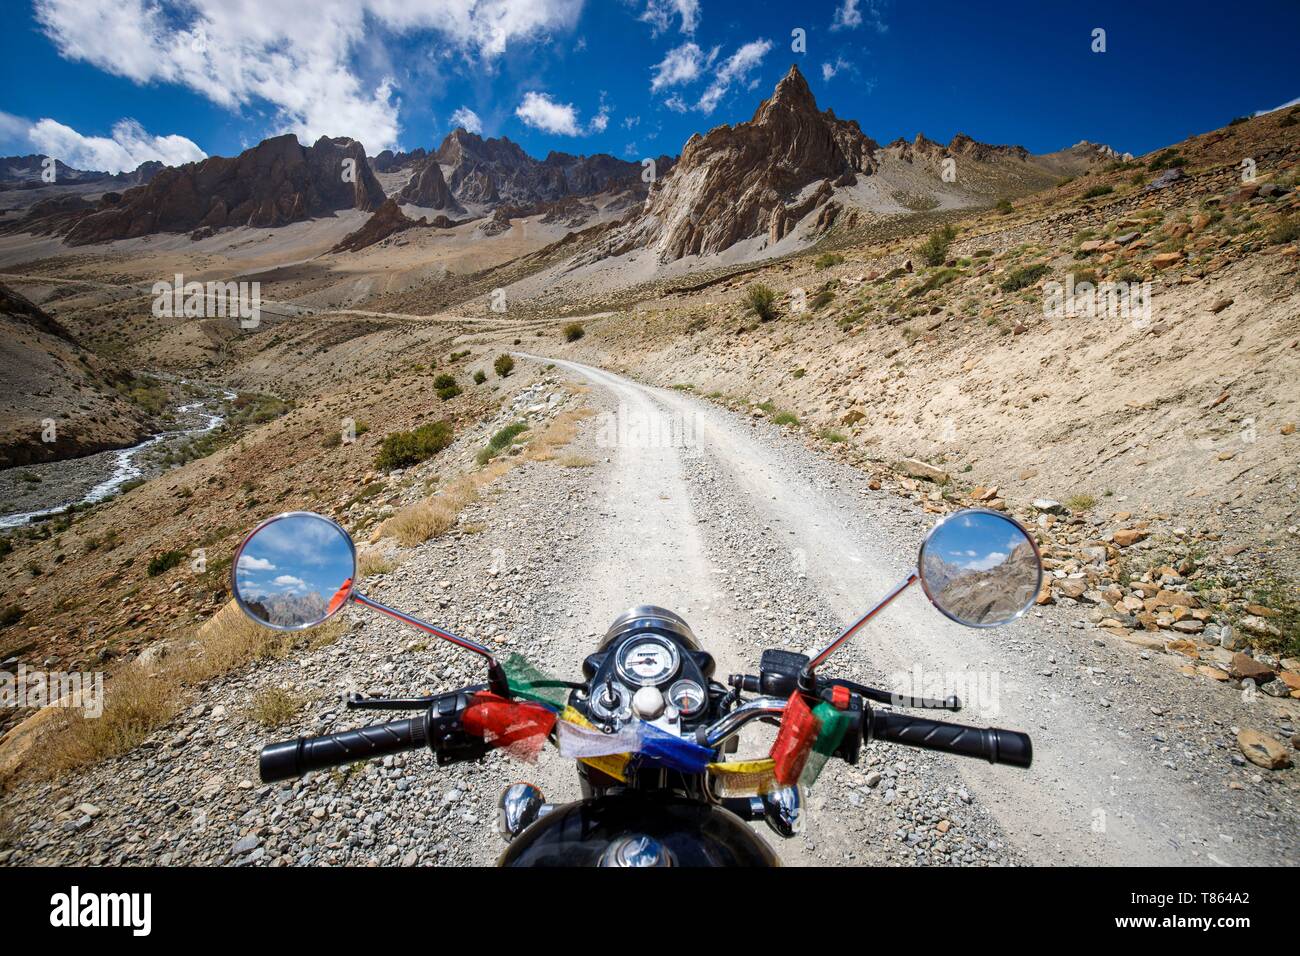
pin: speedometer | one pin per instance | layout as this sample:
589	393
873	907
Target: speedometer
648	661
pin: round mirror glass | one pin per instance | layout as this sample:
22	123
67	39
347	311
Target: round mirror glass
980	568
294	571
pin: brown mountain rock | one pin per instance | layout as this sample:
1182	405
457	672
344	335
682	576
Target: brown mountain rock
428	189
388	220
738	182
274	183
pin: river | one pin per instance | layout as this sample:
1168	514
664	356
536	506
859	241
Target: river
31	492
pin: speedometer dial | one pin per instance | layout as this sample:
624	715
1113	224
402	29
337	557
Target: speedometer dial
648	661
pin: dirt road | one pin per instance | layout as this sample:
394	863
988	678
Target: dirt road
1113	781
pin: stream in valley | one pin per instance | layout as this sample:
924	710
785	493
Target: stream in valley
30	493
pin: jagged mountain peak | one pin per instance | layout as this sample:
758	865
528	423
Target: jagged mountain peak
791	92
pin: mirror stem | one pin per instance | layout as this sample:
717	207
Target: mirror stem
422	625
852	629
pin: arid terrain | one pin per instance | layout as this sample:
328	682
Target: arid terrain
843	346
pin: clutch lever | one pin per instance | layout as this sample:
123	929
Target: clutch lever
356	701
951	702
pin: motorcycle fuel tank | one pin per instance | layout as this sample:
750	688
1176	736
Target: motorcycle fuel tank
639	829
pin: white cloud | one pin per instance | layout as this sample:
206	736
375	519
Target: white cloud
676	104
659	14
13	130
848	16
683	64
289	581
541	112
829	70
129	146
249	563
467	118
990	560
736	68
297	55
630	121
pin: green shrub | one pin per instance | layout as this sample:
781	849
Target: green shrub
574	331
934	250
1237	121
500	441
936	279
828	259
1004	207
504	365
164	562
480	377
1024	276
785	418
446	387
1096	191
1165	159
402	449
761	300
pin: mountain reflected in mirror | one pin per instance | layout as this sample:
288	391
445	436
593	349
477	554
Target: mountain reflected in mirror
980	568
295	571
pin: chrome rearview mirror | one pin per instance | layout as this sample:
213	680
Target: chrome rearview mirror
298	569
979	567
294	571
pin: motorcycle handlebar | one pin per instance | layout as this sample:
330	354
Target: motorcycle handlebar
293	758
992	743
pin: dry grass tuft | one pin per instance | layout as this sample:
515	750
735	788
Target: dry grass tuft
374	562
436	515
559	433
575	461
275	707
143	697
136	703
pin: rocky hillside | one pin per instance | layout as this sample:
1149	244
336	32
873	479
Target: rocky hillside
274	183
428	188
794	170
492	171
25	171
46	376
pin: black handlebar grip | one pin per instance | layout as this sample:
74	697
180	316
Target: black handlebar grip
293	758
992	743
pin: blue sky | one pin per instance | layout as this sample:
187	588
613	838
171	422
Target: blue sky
109	83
